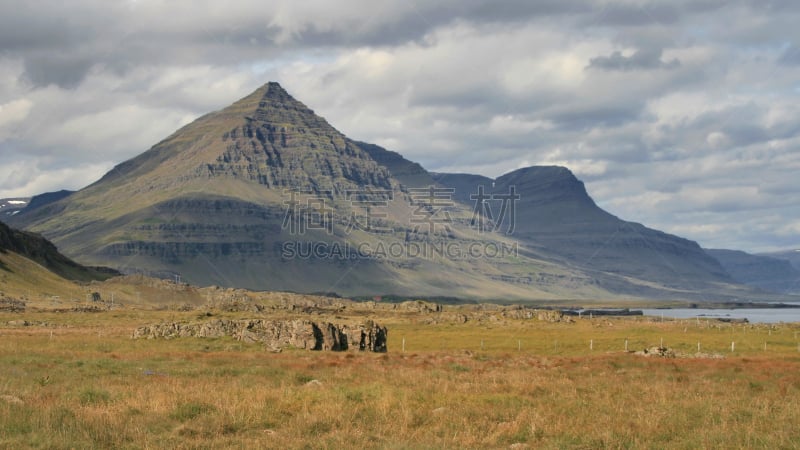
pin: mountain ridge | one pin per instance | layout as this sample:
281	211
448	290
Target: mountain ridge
558	216
211	202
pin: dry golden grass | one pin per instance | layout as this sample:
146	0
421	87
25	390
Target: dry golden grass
81	382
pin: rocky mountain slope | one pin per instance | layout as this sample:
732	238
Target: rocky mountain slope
265	194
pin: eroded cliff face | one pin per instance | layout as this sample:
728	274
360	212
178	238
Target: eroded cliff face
276	156
278	334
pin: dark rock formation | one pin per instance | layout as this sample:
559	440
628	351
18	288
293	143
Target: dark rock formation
278	334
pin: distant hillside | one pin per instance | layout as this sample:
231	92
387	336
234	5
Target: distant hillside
41	251
793	256
765	272
409	173
45	199
556	217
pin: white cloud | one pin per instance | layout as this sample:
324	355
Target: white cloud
24	178
14	111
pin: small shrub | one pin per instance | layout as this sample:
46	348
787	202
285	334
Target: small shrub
230	428
191	410
459	368
354	396
93	396
17	421
62	418
317	428
303	378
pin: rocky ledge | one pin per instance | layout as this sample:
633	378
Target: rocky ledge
278	334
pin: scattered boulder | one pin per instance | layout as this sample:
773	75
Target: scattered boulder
662	352
419	306
519	314
666	352
553	316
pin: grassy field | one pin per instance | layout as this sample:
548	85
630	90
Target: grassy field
77	380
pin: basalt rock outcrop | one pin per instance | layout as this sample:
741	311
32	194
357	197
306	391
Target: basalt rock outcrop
278	334
8	304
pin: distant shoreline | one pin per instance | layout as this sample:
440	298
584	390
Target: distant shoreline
732	305
638	311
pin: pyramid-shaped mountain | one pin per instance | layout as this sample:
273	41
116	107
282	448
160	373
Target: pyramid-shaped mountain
265	194
267	138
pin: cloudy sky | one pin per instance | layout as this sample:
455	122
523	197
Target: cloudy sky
681	115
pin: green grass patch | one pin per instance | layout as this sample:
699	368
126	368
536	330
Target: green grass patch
94	397
191	410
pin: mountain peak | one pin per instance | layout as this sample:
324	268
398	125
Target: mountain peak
271	92
274	90
542	173
554	182
267	138
272	105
